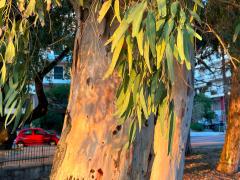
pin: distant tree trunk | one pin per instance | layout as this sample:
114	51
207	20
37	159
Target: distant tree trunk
188	150
230	155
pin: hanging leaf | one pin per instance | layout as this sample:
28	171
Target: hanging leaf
168	29
143	103
237	31
193	33
139	115
116	54
30	8
195	16
130	52
174	8
10	52
140	37
146	55
180	45
162	115
2	3
187	48
171	126
117	10
169	55
3	73
118	34
161	46
138	19
135	88
199	3
162	7
104	9
151	32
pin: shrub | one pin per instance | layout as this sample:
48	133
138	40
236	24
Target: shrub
197	126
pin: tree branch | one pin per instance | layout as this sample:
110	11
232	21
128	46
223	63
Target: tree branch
42	106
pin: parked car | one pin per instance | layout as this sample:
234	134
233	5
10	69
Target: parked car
35	136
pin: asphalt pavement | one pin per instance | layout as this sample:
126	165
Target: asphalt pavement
207	139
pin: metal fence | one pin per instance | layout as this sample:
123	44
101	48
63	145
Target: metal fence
27	156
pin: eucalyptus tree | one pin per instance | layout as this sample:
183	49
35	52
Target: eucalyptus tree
34	37
140	51
224	23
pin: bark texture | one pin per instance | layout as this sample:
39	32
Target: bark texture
92	145
230	155
170	167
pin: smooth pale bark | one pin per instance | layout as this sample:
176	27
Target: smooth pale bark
170	167
230	155
92	145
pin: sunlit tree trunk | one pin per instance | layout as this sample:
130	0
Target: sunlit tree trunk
92	145
170	167
229	159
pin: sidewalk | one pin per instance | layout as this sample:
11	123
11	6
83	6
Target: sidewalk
206	133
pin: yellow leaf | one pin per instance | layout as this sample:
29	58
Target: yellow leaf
2	3
117	10
146	55
30	8
130	52
103	11
3	73
115	57
10	52
49	2
160	52
180	44
140	42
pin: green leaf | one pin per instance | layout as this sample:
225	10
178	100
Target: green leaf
118	34
161	46
139	115
117	10
193	33
2	3
104	9
143	103
195	16
171	126
162	7
135	11
187	49
10	52
146	55
168	29
151	32
159	24
132	132
174	8
10	111
199	3
237	31
169	55
122	108
140	37
135	88
130	52
1	103
138	19
116	54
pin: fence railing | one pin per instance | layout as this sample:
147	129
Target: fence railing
27	156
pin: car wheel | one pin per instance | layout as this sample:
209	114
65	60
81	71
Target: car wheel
20	144
52	143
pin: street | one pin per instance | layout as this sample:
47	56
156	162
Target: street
207	139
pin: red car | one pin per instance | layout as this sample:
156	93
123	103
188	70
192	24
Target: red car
35	136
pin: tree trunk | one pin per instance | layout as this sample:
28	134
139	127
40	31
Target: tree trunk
170	167
92	144
188	150
229	159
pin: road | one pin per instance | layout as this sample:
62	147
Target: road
207	140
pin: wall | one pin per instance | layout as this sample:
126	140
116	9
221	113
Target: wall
26	173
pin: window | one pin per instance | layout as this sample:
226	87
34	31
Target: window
38	132
58	72
27	132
